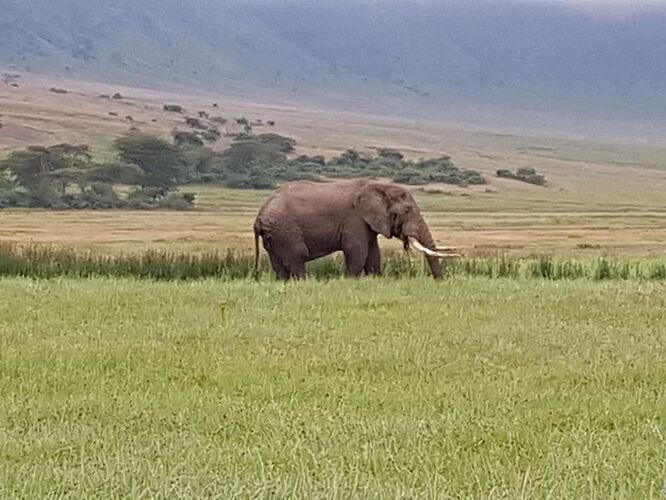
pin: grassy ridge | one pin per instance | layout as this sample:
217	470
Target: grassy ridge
48	262
376	388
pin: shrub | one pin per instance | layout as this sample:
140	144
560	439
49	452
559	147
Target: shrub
177	201
315	160
151	197
391	154
410	176
99	195
524	174
211	135
281	143
45	196
291	175
182	138
195	123
249	181
12	195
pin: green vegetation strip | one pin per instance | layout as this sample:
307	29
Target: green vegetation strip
47	262
151	169
472	388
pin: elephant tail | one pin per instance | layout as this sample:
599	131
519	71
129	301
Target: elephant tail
257	233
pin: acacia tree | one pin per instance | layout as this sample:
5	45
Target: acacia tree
115	172
161	162
54	166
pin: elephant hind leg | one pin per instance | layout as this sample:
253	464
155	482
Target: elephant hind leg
288	260
290	269
279	268
297	270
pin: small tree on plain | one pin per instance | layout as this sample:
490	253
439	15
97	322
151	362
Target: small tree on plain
160	161
56	166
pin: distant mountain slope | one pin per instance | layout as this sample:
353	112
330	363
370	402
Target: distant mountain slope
442	58
200	42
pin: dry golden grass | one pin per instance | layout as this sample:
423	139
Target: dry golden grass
225	221
602	198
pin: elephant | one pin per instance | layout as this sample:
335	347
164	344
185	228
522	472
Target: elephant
306	220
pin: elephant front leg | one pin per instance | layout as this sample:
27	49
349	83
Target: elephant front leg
356	256
373	264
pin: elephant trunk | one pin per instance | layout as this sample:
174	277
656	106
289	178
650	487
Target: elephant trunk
433	262
425	238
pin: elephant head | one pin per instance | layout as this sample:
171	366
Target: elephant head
391	210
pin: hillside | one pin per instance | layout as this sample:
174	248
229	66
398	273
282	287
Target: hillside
590	69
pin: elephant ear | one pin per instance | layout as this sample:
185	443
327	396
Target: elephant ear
372	205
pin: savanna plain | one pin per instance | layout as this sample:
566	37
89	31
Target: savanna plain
483	385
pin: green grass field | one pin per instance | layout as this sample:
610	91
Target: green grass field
371	388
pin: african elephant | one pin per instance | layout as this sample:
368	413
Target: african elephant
305	220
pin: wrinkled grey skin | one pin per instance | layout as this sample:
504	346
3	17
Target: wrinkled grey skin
305	220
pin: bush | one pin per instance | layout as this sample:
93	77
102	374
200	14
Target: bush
177	201
249	181
182	138
291	175
281	143
410	176
305	159
524	174
99	195
211	135
195	123
391	154
148	198
174	108
12	197
45	196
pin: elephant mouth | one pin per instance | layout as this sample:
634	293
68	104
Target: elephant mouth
439	253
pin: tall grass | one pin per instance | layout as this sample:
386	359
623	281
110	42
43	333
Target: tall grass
37	261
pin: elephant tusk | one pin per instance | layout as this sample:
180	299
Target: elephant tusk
431	253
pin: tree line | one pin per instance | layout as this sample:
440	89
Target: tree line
147	171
